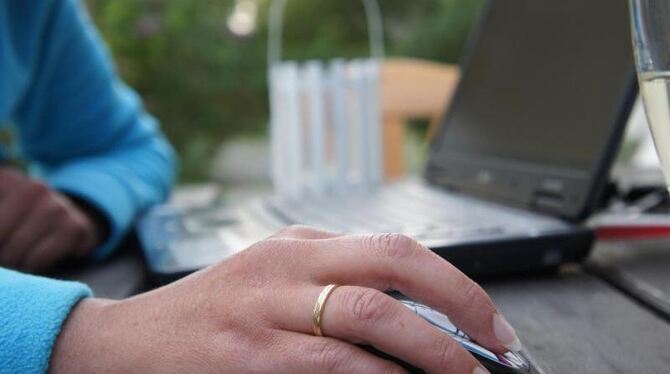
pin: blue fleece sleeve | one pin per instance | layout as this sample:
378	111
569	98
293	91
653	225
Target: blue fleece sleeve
32	311
85	130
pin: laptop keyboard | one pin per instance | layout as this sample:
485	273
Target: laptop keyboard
415	210
182	240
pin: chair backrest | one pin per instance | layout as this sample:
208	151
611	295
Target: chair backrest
412	89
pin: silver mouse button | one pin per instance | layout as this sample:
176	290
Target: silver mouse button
441	321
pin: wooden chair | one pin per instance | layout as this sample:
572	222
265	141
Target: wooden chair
412	89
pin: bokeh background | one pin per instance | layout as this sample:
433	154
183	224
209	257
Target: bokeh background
201	65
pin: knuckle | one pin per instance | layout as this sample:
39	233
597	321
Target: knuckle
300	228
288	230
71	228
330	356
279	246
68	225
79	226
368	305
39	190
282	249
299	231
446	353
393	246
473	295
53	210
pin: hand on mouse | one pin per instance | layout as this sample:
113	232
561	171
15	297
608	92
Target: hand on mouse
253	313
40	227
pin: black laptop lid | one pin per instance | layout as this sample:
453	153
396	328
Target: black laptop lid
538	116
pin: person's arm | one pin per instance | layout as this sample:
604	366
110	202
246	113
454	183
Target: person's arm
85	130
32	311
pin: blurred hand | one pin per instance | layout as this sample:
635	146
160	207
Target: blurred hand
40	227
253	313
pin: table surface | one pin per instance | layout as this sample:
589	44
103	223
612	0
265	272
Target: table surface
609	315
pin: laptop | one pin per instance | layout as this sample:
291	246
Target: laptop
518	165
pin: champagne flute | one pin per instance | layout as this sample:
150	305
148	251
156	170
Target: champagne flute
650	20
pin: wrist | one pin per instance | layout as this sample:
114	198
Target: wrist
83	342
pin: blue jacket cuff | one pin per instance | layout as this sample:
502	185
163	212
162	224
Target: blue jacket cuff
33	310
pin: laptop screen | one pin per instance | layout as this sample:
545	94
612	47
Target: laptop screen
539	111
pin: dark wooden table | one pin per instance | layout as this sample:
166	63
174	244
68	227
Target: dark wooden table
582	321
609	315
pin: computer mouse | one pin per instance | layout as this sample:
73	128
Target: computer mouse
508	363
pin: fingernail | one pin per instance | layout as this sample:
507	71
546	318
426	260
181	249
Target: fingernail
505	333
480	370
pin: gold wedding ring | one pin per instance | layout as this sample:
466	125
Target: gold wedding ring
318	308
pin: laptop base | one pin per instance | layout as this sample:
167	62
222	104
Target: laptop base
178	241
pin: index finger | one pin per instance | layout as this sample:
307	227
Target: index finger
397	262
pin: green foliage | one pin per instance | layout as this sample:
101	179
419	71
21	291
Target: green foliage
206	84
